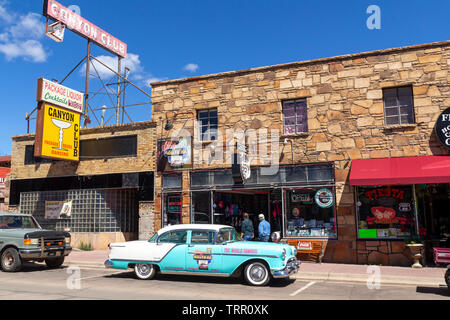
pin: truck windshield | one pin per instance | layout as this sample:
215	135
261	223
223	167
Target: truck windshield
18	222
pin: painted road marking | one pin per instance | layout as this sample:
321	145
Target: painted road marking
100	276
303	288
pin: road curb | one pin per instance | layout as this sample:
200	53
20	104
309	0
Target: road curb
361	278
321	276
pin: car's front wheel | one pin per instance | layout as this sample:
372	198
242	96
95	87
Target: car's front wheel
11	261
144	271
257	274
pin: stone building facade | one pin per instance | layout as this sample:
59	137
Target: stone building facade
345	122
25	168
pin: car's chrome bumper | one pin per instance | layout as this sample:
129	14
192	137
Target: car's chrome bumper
292	267
44	254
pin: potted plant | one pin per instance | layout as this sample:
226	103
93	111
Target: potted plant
415	246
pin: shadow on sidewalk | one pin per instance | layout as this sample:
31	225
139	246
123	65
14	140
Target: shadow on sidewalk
441	291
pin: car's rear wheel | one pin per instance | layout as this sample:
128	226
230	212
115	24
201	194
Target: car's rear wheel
144	271
11	261
257	274
54	262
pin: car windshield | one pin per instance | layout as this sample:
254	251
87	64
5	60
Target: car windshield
18	222
227	235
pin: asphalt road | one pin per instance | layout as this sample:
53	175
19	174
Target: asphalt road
38	282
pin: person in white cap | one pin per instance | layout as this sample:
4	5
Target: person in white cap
263	229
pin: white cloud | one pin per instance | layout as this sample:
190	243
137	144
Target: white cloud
21	35
30	50
132	62
6	16
191	67
28	26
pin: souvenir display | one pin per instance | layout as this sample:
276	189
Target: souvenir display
310	212
386	212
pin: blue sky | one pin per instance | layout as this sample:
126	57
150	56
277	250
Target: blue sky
184	38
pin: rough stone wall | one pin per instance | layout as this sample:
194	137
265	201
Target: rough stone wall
345	115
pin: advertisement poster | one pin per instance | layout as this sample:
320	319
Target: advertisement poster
57	133
57	209
174	154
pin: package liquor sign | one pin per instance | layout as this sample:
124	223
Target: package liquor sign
84	28
59	95
57	133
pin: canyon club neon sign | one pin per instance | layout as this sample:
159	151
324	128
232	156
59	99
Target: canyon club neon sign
86	29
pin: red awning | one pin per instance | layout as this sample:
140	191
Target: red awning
408	170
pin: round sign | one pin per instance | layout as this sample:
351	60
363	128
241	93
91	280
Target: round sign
443	128
324	198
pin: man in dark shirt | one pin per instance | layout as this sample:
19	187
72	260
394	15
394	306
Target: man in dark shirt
247	231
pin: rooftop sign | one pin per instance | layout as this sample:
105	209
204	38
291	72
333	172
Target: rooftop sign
86	29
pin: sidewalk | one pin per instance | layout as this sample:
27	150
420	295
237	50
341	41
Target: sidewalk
310	271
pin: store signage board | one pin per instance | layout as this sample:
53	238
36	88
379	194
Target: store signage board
57	133
84	28
174	154
443	128
56	94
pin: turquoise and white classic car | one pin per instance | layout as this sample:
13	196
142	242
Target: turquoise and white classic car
206	249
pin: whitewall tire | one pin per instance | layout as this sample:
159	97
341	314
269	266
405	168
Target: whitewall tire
144	271
257	274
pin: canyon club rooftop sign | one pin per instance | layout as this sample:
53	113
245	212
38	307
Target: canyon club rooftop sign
84	28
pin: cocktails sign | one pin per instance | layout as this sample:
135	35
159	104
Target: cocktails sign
57	133
59	95
84	28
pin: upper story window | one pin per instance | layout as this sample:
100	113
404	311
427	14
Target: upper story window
398	105
208	124
295	117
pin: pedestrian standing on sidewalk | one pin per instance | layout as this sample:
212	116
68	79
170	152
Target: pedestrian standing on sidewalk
263	229
247	231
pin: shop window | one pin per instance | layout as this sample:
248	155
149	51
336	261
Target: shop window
172	209
93	210
125	146
201	207
200	179
31	159
386	212
398	105
207	124
172	181
295	116
310	212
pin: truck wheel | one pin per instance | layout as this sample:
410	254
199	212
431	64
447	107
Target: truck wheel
11	261
144	271
257	274
54	263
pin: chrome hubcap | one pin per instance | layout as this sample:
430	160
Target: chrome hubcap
9	260
257	273
144	269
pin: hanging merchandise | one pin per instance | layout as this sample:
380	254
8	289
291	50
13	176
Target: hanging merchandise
235	210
